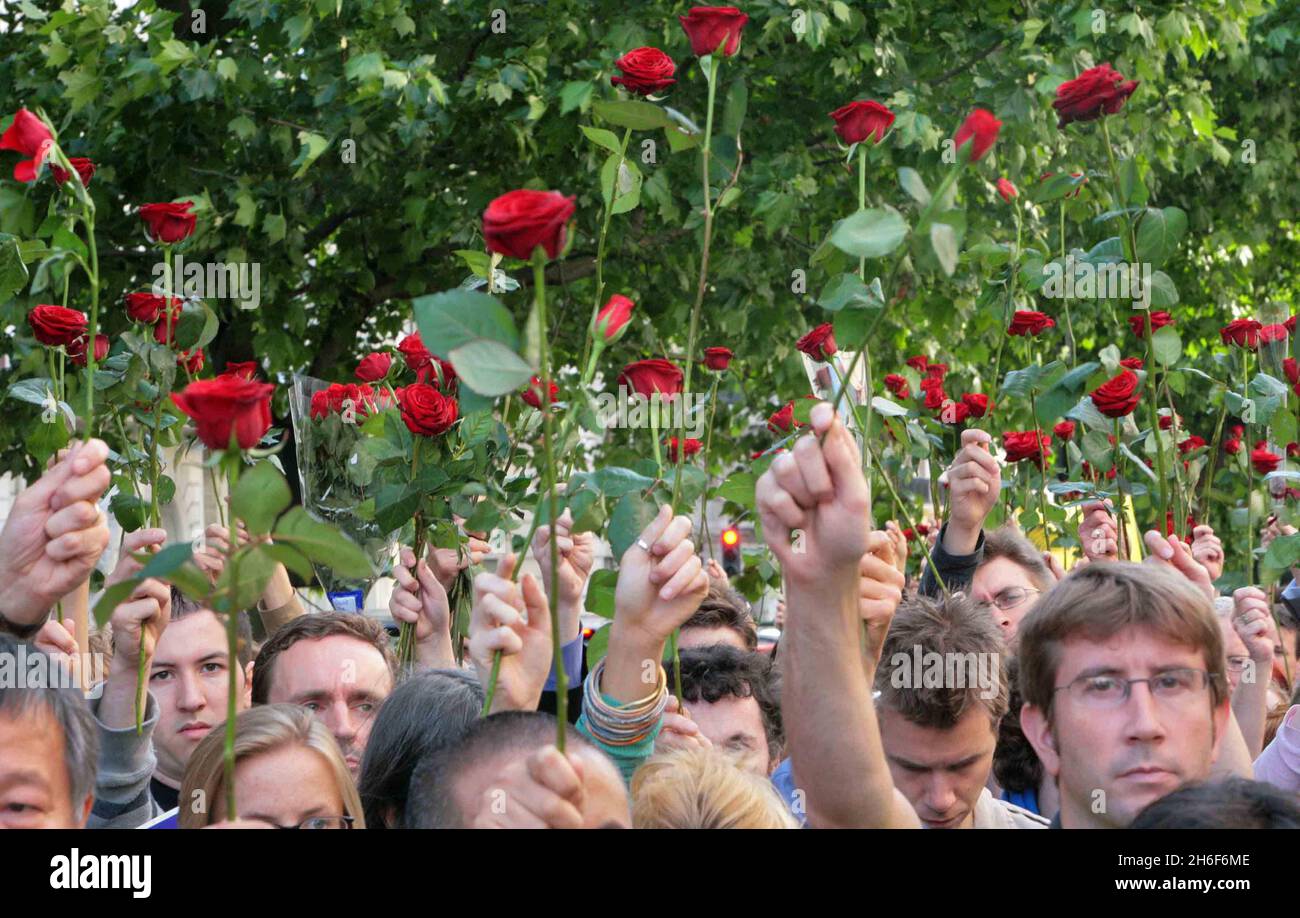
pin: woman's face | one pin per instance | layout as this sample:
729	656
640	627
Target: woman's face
286	786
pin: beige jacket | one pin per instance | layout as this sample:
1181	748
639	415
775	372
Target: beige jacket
991	813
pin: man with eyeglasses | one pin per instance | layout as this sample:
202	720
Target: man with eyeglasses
1122	672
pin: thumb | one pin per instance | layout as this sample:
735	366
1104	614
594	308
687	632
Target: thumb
43	488
840	452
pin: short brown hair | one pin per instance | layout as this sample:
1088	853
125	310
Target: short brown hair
313	628
957	630
723	607
245	649
1008	542
1100	600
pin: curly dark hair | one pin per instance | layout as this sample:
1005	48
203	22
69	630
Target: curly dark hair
1015	764
718	671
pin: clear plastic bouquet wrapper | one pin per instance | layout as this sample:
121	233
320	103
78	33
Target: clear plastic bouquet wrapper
335	473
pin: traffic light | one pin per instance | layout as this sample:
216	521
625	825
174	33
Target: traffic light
731	560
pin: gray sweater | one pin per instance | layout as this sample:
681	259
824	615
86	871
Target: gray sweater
126	765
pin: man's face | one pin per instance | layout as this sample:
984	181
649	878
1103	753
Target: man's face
342	679
604	805
941	772
735	726
35	789
285	786
190	680
1111	762
710	637
999	578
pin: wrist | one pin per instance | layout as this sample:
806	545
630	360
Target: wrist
960	538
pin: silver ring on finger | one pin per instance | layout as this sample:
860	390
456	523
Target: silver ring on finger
641	544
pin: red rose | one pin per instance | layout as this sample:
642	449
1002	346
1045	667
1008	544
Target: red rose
1263	460
1030	322
1027	444
56	325
168	223
935	397
1292	370
1232	446
613	318
897	385
1238	431
923	528
1290	325
1096	91
426	411
519	221
374	367
717	358
1166	421
918	363
1271	333
1119	396
319	404
693	446
163	327
245	370
1292	450
77	350
782	420
936	371
148	307
533	394
650	376
28	135
819	344
977	402
1158	320
707	26
1007	190
909	534
1191	443
192	361
1241	333
981	129
1064	430
954	412
857	121
85	170
414	352
1132	363
645	71
227	406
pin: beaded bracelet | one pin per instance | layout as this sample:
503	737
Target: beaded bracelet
626	724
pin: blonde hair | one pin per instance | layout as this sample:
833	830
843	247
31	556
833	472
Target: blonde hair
702	789
258	730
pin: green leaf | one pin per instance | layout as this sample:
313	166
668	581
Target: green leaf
733	112
600	593
454	318
602	138
640	116
597	646
847	290
489	367
888	408
13	272
322	543
313	145
944	242
576	94
260	495
274	226
1283	553
631	516
1163	293
1158	234
739	488
869	233
1166	345
914	185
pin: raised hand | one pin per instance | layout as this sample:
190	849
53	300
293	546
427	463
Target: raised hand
1099	532
974	483
1207	549
420	599
1173	552
661	588
678	731
140	540
446	563
1253	621
716	572
54	534
147	611
880	590
547	789
899	542
576	553
515	619
817	490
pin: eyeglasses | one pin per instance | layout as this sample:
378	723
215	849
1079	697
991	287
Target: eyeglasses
1172	686
1008	598
1238	664
322	822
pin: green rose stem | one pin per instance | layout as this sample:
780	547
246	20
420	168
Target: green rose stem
1065	300
1211	460
406	636
1152	399
600	246
862	276
232	464
708	442
92	272
1117	458
1248	446
711	73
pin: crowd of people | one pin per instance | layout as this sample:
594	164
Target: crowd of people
985	688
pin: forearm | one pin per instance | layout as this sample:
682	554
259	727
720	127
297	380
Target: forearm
117	705
280	603
955	569
435	653
1250	707
570	617
831	728
1234	758
632	658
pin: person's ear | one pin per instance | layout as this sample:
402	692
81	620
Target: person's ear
1038	730
246	693
86	806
